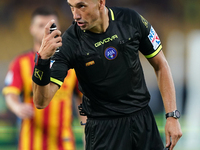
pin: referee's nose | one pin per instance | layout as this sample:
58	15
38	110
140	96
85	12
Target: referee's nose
76	14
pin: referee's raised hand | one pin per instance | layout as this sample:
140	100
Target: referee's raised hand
50	41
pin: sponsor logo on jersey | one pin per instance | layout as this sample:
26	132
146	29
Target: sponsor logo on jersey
154	39
51	63
89	63
110	53
106	40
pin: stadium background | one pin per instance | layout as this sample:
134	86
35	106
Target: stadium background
178	26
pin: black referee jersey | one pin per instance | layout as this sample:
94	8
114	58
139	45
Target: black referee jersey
107	65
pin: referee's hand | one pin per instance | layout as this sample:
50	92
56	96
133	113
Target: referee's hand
172	132
50	41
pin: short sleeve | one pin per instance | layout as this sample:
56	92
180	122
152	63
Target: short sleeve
150	44
13	80
61	62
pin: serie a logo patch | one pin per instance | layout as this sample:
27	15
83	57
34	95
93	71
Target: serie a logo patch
154	39
110	53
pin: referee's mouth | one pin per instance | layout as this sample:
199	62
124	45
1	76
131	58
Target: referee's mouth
80	24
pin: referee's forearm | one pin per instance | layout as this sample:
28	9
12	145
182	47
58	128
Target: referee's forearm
167	89
42	95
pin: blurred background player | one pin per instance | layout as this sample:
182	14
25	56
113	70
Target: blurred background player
49	128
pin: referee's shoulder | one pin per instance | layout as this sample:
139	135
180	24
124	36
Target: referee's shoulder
124	14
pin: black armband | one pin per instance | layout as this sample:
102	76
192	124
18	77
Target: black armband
42	71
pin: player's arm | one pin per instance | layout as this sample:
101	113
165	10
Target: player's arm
20	109
43	89
13	89
167	90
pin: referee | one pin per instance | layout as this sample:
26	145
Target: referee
103	45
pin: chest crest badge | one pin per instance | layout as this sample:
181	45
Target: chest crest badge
110	53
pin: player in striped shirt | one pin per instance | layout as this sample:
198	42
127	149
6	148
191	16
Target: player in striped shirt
49	128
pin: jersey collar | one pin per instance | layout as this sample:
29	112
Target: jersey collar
111	14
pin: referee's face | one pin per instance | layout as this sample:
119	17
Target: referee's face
87	13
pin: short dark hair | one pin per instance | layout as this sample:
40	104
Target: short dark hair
44	11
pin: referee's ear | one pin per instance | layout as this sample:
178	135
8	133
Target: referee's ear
102	4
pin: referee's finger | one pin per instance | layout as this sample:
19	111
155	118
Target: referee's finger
174	140
47	27
167	139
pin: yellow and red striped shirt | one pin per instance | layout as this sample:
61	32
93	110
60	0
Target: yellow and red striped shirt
50	128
